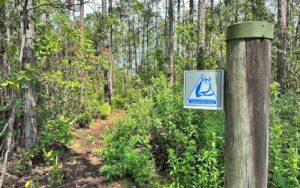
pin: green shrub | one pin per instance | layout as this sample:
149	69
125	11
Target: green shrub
90	139
188	145
182	142
55	175
284	159
127	151
83	120
104	110
56	131
118	101
92	107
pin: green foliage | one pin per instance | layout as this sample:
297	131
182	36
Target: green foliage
180	141
104	110
90	139
56	175
284	139
83	120
91	106
50	156
118	101
56	131
127	150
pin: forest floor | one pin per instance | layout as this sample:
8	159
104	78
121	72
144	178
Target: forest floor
80	163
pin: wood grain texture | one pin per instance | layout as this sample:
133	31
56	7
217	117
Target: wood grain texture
248	65
238	150
258	80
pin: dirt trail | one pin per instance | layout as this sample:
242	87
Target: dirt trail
81	164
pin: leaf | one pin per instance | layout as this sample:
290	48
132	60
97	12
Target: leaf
28	184
4	84
13	49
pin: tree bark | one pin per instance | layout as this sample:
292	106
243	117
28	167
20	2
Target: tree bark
108	86
2	33
201	34
170	44
27	57
190	48
178	21
9	141
110	72
81	28
282	61
135	48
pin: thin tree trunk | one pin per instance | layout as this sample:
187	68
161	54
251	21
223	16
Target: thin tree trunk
147	41
143	45
170	44
297	31
111	89
191	21
81	28
9	143
135	48
282	62
129	42
108	86
178	21
201	34
27	57
156	35
2	33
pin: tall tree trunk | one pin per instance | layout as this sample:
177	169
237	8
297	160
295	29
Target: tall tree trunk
130	61
282	61
27	57
2	34
170	44
9	142
81	16
297	30
190	48
108	86
135	47
178	21
201	34
81	28
110	78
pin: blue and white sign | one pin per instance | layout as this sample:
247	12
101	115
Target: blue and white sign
204	89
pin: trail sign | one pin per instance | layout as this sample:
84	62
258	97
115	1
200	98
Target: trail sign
204	89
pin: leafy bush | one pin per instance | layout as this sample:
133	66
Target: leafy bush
284	139
127	151
92	107
188	145
104	110
118	101
90	139
83	120
56	131
56	175
182	142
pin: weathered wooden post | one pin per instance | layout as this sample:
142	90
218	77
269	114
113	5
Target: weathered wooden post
248	72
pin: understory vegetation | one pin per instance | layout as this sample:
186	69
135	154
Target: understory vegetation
68	64
161	138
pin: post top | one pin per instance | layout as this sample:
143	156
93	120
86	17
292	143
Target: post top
254	29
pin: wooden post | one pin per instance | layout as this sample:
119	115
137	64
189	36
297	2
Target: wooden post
248	64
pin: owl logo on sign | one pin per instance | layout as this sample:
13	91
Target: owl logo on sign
204	87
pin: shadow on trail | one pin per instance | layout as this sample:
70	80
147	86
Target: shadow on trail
80	172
